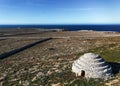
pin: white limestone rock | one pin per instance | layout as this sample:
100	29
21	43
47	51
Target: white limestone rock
91	65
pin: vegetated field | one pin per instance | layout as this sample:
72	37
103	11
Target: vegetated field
49	63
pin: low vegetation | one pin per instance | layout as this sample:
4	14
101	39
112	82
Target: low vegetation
43	65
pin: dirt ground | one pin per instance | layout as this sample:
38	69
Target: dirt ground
49	63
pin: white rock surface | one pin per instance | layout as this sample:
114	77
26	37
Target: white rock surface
93	65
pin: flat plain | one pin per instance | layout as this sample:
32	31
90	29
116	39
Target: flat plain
49	63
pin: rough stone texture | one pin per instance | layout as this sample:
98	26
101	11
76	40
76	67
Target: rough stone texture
93	65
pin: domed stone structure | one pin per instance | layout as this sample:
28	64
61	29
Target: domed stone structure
91	65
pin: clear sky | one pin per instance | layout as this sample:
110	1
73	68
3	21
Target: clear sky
59	11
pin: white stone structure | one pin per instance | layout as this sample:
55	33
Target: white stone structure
91	65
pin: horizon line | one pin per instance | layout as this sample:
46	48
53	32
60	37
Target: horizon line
59	24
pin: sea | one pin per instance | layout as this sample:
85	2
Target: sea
67	27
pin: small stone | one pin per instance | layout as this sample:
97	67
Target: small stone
34	78
57	65
1	83
26	83
58	71
20	82
40	74
58	84
14	80
49	72
1	78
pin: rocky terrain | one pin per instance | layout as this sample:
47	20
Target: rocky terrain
10	44
49	63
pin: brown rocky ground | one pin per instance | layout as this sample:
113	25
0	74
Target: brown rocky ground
49	63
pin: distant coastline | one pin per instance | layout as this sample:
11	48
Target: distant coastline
67	27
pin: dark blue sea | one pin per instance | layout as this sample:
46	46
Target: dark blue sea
68	27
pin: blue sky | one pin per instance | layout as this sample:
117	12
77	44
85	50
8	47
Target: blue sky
59	11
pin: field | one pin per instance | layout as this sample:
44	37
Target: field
11	44
49	63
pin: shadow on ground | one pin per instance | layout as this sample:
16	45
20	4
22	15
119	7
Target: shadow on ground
12	52
115	67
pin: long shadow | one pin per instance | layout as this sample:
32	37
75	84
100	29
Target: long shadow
2	39
7	54
115	67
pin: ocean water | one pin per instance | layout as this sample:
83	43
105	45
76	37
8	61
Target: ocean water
68	27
